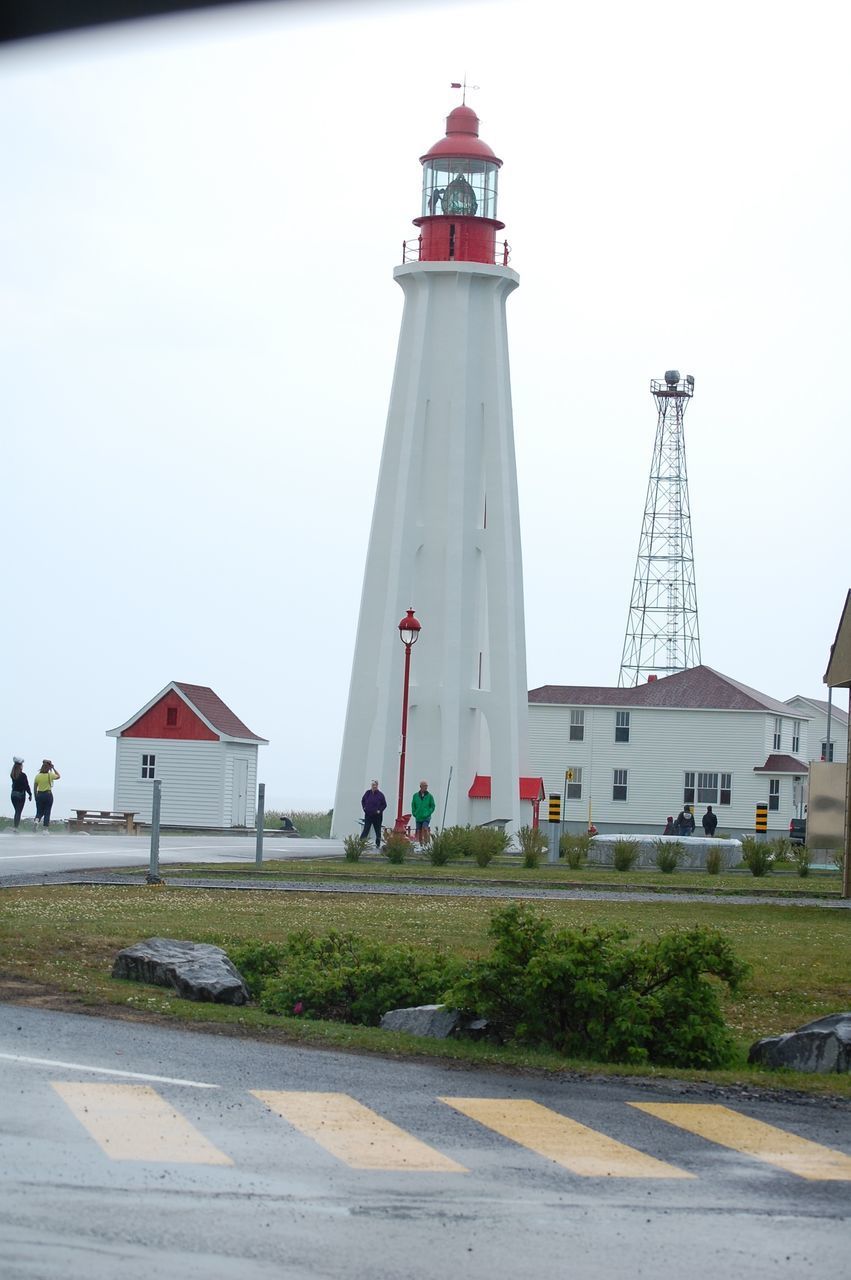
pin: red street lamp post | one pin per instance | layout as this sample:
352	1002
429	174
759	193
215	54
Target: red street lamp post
409	634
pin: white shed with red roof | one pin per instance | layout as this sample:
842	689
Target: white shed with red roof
203	754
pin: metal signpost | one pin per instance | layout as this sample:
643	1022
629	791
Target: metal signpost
153	876
261	819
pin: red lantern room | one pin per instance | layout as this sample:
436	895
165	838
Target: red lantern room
458	220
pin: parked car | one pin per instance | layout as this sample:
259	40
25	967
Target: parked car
798	831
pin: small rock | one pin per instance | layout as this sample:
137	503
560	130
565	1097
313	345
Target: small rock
423	1020
822	1046
196	970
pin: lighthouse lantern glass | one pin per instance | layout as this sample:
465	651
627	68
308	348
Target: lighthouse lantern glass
459	187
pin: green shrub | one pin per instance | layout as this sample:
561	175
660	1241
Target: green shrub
802	859
354	847
533	844
592	993
624	854
574	848
396	846
457	839
714	861
441	849
669	854
487	843
757	855
781	847
343	977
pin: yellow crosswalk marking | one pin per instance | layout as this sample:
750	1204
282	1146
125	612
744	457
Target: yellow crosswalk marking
132	1122
754	1138
568	1143
354	1134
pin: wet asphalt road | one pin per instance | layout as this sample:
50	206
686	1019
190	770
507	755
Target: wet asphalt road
280	1204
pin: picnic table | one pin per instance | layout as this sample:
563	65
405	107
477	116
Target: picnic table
88	818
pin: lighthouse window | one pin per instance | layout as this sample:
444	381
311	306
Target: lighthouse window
459	187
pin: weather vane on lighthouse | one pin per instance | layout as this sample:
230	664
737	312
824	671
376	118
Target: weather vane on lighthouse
463	86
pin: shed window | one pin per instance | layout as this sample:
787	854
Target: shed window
149	766
774	793
619	784
726	795
621	726
688	788
577	726
171	717
573	784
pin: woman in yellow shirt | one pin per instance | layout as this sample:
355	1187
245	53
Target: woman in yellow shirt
43	787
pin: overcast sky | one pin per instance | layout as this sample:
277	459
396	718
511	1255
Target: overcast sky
200	220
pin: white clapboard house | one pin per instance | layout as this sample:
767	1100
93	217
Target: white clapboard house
816	708
626	759
203	754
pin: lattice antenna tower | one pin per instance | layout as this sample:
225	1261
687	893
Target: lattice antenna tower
662	634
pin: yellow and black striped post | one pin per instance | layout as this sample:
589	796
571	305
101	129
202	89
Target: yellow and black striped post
554	815
761	824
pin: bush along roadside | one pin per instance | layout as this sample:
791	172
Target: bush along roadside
590	993
587	993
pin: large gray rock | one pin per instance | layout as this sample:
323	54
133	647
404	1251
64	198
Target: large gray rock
823	1045
196	970
423	1020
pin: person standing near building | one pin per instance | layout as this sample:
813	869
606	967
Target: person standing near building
686	822
20	788
373	805
710	821
43	783
422	807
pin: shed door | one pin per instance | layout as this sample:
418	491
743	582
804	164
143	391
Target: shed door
240	792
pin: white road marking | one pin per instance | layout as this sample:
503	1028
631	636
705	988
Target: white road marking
105	1071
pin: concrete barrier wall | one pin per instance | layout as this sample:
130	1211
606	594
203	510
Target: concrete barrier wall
601	852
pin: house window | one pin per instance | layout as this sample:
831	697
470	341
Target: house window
619	784
825	753
796	736
573	782
577	726
726	793
171	717
774	793
621	726
707	788
148	766
778	732
688	789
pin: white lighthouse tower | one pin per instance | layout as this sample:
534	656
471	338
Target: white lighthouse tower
445	536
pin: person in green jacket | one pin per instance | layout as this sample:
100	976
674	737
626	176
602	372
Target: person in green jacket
422	807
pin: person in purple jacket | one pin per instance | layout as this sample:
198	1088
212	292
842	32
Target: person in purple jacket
373	805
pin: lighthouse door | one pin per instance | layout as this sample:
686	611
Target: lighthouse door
240	793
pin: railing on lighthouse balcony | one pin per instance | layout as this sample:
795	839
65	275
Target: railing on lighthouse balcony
412	252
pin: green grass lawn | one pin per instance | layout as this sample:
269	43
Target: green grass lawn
509	870
67	936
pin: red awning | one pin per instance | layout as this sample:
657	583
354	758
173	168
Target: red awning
530	788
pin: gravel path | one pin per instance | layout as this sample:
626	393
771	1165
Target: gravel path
436	890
